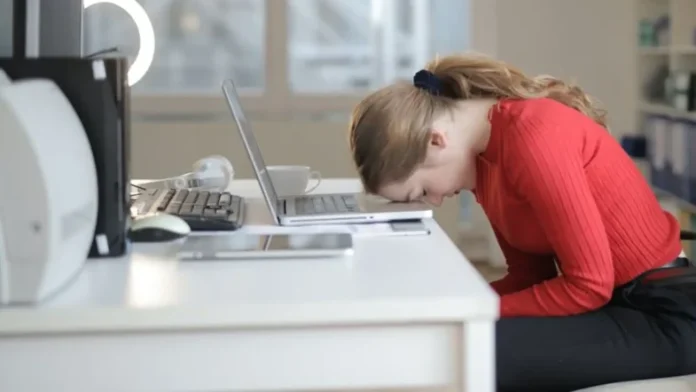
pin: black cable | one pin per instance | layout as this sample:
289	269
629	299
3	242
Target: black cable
102	52
134	195
138	187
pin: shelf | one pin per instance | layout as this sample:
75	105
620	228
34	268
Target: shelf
654	51
667	50
664	110
671	23
686	50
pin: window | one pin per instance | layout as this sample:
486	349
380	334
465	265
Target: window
199	43
288	56
342	46
349	45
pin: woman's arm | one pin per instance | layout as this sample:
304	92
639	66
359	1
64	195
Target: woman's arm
546	168
524	269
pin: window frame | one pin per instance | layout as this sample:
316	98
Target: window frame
277	99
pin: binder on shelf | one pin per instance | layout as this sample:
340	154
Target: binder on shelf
634	145
679	158
657	135
690	154
690	250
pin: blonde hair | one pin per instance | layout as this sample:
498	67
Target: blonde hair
390	128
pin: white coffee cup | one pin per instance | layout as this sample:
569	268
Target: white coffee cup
293	180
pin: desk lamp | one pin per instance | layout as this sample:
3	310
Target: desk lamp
146	32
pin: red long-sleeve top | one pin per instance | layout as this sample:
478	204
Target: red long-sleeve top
558	189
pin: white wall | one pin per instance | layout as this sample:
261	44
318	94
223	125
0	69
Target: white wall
590	41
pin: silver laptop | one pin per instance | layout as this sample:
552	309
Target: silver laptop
317	208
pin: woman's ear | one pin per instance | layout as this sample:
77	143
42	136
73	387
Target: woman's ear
436	148
438	139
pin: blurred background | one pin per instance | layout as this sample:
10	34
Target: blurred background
303	65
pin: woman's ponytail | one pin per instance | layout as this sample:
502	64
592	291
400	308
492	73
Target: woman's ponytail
475	76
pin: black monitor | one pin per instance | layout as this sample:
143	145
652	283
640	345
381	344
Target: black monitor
43	28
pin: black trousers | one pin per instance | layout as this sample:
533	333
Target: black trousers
648	330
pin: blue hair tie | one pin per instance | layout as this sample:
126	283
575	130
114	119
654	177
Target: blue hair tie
427	81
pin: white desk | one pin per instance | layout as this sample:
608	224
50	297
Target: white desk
402	312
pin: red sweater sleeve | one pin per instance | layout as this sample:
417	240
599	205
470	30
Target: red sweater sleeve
547	169
524	269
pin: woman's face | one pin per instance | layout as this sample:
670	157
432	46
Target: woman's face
456	139
448	169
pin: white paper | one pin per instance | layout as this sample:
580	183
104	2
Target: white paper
366	229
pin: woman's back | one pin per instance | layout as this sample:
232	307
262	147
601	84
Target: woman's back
541	145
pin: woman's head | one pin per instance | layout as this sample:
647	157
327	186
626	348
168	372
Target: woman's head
420	140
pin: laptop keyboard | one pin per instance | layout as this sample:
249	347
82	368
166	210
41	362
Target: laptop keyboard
325	204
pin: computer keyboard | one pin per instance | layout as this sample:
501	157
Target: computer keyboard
326	204
202	210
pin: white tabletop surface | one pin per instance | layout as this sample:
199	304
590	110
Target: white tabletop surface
387	280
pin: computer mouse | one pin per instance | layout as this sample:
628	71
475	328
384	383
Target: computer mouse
158	228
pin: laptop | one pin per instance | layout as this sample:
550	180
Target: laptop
317	208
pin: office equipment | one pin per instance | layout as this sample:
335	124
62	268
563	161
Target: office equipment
202	210
158	228
47	28
245	246
146	35
416	303
99	93
210	173
315	209
19	28
49	196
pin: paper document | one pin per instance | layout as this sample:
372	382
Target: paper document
391	229
408	228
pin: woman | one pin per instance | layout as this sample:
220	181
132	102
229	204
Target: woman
585	301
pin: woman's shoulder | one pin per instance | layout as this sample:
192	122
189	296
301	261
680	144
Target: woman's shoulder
532	125
530	109
536	131
542	116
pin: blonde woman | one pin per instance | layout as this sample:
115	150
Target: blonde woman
559	191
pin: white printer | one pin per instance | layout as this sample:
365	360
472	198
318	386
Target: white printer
48	191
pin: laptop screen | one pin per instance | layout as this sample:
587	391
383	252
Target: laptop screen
251	146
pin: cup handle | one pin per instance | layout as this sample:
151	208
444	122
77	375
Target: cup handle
314	175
